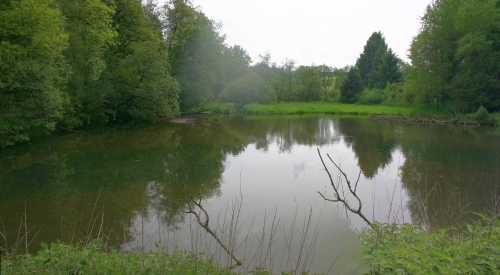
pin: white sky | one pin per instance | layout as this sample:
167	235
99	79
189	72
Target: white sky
315	31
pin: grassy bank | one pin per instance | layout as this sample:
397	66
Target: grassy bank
325	108
225	108
404	114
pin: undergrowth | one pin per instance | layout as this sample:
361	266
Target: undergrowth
60	258
410	249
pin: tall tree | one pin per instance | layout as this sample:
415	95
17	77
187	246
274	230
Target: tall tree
351	87
370	58
137	82
308	83
33	71
432	54
195	48
90	30
377	64
327	77
477	82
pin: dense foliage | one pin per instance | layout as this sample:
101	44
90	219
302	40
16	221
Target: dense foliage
456	56
71	64
410	249
250	88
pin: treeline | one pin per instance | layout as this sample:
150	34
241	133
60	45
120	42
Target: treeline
375	79
68	64
455	66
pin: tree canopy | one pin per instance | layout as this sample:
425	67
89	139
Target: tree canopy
456	56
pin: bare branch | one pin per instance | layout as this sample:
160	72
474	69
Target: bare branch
343	198
205	225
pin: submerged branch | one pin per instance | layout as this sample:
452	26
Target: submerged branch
205	225
343	198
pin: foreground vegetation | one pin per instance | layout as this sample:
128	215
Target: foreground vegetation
59	258
410	249
388	249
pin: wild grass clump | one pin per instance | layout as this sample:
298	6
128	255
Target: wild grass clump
410	249
60	258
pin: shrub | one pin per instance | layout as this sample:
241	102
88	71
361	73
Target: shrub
482	114
370	97
410	249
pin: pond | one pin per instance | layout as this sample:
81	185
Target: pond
259	180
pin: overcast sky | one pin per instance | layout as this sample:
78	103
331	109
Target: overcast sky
315	31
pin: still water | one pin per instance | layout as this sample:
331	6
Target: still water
258	178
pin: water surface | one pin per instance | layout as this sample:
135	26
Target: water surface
257	177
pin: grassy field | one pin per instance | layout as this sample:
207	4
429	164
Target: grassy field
325	108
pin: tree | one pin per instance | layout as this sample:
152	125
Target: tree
476	82
195	49
351	87
137	81
370	59
234	64
388	71
271	73
287	72
308	85
146	90
432	54
33	71
327	77
377	64
249	89
90	30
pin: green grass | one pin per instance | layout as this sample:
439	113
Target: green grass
326	108
60	258
220	107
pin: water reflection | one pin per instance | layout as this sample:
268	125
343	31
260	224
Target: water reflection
132	179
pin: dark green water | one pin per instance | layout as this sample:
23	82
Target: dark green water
130	186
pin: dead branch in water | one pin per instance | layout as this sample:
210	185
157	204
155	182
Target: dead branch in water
338	197
205	225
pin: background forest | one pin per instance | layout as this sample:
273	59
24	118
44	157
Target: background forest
71	64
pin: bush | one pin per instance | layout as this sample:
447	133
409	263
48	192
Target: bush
370	97
482	114
394	94
410	249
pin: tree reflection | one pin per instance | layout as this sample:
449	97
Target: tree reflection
286	132
449	173
372	142
120	174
